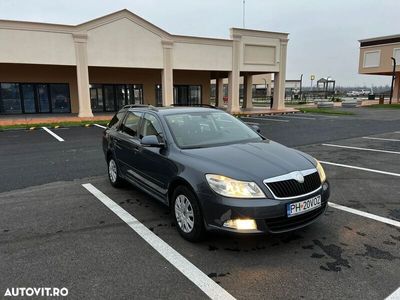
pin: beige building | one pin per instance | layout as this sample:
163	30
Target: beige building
375	59
120	59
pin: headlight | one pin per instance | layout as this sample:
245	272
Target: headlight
321	172
229	187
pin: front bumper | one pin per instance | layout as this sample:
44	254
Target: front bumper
269	214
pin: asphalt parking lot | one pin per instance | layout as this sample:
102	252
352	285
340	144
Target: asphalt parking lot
54	232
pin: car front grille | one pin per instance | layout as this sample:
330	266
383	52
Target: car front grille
282	224
292	188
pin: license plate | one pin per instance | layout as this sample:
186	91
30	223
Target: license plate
297	208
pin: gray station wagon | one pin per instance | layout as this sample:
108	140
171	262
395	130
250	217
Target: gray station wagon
214	171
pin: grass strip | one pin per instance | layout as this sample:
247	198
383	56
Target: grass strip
54	125
326	111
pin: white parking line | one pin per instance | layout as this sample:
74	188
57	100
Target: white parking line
362	149
380	139
205	283
365	214
360	168
53	134
394	296
101	126
266	119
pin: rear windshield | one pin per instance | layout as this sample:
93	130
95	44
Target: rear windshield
207	129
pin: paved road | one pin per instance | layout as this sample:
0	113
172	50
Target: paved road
53	232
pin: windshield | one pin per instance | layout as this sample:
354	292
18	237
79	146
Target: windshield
207	129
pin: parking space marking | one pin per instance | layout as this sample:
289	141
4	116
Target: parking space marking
266	119
380	139
360	168
53	134
362	149
205	283
365	214
394	296
101	126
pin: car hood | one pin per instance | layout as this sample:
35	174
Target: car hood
249	161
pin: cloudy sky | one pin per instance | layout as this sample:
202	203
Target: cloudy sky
323	34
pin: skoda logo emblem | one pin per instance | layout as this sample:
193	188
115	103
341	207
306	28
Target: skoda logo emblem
298	177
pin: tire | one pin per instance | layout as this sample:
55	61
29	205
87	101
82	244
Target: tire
113	173
187	214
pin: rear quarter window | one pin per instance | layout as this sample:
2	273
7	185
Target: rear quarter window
116	119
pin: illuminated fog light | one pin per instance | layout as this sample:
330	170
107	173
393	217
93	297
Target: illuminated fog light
241	224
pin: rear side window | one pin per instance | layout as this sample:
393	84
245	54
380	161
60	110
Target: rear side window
115	120
131	123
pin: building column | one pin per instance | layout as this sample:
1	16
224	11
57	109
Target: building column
269	89
220	92
396	89
167	79
82	75
248	91
234	77
280	78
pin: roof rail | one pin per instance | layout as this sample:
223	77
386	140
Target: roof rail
195	105
140	106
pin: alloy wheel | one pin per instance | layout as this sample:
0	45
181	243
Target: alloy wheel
184	213
112	170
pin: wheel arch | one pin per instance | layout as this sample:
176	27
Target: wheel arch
178	181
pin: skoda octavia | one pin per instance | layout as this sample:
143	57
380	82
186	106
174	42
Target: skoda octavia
214	171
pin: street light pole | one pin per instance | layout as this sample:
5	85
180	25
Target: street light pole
301	87
244	13
393	78
326	87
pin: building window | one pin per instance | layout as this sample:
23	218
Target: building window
28	96
187	94
372	59
10	98
109	98
34	98
96	97
194	94
43	98
137	94
159	101
112	97
60	100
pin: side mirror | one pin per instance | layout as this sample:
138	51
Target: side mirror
256	128
151	141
